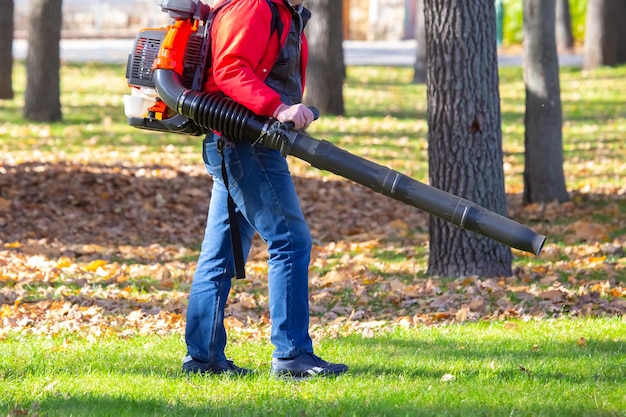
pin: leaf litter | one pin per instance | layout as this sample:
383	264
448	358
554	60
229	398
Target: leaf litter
110	249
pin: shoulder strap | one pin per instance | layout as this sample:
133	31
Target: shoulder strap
277	24
214	11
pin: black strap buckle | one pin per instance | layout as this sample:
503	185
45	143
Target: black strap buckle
277	136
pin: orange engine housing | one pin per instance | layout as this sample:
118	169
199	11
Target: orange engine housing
182	48
174	46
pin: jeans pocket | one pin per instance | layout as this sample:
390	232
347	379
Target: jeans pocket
213	159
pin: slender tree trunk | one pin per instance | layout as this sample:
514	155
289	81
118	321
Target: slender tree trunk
500	22
564	34
604	34
465	136
6	48
543	169
620	53
42	97
421	57
326	70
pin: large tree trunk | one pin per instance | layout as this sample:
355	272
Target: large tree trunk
465	136
421	58
604	34
326	70
6	48
543	169
42	97
564	34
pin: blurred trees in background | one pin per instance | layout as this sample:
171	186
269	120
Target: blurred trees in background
42	99
605	35
326	69
421	61
563	29
6	48
544	180
513	25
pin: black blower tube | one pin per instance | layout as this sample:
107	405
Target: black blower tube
216	112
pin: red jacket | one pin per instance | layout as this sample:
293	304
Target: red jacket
244	54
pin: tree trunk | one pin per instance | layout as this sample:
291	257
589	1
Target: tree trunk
620	16
6	49
326	69
604	34
465	136
42	97
421	57
564	34
543	169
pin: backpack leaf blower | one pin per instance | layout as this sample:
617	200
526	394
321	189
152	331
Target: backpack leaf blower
166	72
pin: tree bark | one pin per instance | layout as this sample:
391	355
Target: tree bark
6	48
326	69
465	136
564	34
543	168
42	96
604	34
421	57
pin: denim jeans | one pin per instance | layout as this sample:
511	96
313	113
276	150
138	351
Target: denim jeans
261	186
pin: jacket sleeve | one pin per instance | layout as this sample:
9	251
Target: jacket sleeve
241	36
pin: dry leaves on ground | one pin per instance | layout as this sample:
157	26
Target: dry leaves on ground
110	249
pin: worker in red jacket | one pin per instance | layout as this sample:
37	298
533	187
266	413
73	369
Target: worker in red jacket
259	60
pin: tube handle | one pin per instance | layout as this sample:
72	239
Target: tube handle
316	115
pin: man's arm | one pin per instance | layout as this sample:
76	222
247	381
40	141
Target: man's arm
241	49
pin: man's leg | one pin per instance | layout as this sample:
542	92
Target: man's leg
280	221
266	195
205	333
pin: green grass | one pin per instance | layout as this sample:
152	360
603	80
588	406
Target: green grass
537	368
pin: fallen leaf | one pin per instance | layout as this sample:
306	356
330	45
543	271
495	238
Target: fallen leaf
5	204
447	378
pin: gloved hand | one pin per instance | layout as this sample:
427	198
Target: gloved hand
300	115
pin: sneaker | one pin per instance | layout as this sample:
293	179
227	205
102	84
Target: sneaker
194	366
305	366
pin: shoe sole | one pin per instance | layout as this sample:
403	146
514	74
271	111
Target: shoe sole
204	372
290	377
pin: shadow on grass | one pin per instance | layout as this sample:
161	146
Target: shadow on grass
119	406
547	361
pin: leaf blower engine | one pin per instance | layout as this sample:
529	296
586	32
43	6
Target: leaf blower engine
182	52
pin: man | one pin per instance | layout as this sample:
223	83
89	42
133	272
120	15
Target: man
263	68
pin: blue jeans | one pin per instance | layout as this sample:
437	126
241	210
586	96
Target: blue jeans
261	186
